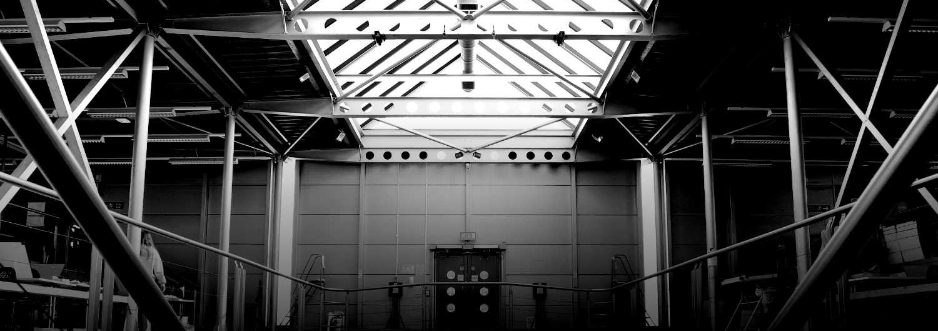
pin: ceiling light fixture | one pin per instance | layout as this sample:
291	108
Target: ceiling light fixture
762	141
85	73
178	138
900	114
12	26
109	163
128	113
89	140
199	161
19	25
784	114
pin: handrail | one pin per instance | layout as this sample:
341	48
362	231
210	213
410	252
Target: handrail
39	189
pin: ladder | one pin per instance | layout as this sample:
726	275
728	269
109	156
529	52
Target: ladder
309	293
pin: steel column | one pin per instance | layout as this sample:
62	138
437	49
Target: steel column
798	186
710	216
29	121
139	162
894	175
225	224
269	242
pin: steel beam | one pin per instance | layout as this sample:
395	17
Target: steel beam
27	119
302	135
487	8
680	136
425	24
798	183
28	166
560	76
833	79
910	157
479	79
885	71
637	141
356	88
488	107
299	9
451	9
510	107
440	155
710	219
403	139
513	135
421	134
224	233
44	49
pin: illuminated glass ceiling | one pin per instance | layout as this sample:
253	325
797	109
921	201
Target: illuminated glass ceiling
498	71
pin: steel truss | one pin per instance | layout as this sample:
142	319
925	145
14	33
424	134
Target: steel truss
427	24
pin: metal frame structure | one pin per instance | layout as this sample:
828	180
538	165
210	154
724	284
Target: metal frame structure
66	166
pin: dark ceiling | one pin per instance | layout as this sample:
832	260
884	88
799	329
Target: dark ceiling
724	69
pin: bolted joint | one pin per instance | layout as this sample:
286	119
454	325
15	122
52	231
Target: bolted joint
153	30
560	38
378	38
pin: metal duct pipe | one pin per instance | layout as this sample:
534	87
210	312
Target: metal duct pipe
467	45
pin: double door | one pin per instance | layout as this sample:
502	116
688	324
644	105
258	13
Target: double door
467	307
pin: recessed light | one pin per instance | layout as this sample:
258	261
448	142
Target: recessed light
123	120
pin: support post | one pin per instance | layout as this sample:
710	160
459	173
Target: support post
710	216
138	168
286	190
649	194
798	186
225	224
894	176
272	229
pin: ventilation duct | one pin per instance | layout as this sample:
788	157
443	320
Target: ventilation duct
467	45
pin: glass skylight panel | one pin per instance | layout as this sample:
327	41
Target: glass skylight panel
584	62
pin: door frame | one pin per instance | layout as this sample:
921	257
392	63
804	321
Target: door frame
500	251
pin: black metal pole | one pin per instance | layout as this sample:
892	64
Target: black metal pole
909	157
27	119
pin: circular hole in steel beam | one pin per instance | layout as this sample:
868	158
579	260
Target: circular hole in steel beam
423	155
512	155
530	155
405	155
565	155
369	155
548	155
387	155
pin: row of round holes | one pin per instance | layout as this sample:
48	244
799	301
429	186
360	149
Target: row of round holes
442	155
501	106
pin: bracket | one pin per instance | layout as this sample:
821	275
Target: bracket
560	38
378	38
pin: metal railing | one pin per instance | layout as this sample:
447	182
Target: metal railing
31	125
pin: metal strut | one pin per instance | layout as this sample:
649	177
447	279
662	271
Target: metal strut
29	122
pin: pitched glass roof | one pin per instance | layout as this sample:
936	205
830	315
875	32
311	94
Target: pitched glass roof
499	71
